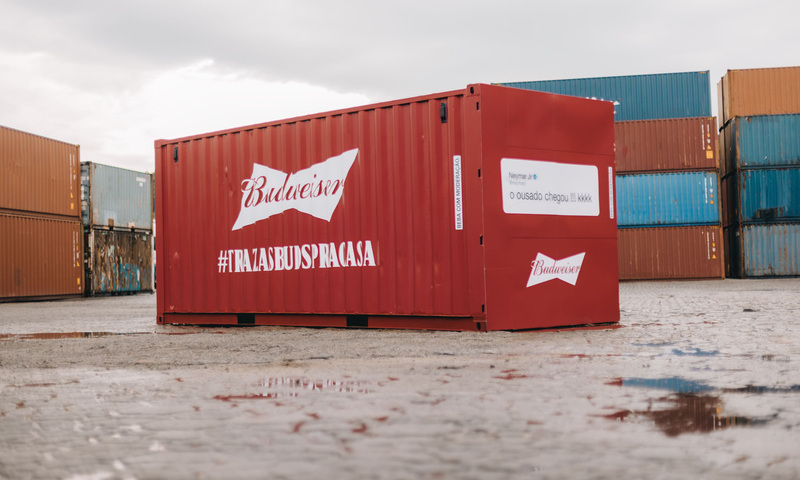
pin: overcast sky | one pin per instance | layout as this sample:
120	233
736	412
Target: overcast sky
115	76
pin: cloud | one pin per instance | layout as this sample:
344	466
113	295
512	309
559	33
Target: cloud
118	126
115	75
201	98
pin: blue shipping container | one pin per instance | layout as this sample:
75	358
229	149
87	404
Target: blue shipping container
674	199
769	195
116	197
769	250
638	97
764	141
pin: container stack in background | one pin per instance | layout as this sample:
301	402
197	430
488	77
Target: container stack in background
668	199
759	113
41	239
667	171
117	208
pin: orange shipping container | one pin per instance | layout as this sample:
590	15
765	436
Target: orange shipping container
666	253
666	144
39	175
759	91
41	256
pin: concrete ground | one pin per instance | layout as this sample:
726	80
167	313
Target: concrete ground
701	380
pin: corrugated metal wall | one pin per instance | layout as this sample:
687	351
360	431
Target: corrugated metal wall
117	208
39	174
638	97
763	141
670	253
420	255
41	256
669	198
765	250
769	195
667	144
424	186
759	91
120	261
40	225
116	197
761	158
664	128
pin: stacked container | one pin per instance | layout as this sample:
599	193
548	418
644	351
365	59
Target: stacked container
760	140
667	171
117	209
40	223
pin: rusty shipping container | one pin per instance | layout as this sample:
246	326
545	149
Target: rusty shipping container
118	261
41	257
762	195
483	208
665	253
646	146
764	250
39	175
758	91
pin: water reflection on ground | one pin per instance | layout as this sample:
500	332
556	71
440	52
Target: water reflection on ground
692	406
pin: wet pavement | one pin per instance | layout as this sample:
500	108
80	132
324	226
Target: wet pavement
700	380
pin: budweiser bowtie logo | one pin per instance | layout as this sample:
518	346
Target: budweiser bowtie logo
315	191
544	269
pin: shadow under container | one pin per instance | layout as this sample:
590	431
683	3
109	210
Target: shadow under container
488	208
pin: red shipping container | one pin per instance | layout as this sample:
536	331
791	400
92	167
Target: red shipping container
664	253
484	208
666	145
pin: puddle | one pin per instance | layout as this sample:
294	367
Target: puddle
775	358
690	413
696	352
691	352
682	385
673	384
763	389
286	387
694	409
45	384
62	335
586	355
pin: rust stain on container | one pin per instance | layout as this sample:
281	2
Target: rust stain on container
666	144
119	261
41	256
39	175
670	253
759	91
